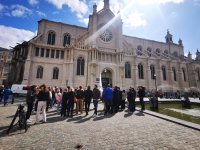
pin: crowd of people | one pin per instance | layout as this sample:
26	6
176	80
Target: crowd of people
70	102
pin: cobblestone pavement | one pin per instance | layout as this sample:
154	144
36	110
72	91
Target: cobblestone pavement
120	131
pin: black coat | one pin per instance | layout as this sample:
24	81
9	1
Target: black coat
88	94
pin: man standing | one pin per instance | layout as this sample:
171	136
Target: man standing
79	96
7	92
30	98
141	94
108	95
88	97
96	97
131	95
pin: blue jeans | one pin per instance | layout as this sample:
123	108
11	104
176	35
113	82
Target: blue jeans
52	102
5	100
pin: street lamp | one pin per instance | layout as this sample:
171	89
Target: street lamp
155	82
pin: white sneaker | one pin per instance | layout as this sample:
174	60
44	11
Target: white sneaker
28	121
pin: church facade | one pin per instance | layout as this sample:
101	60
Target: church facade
63	54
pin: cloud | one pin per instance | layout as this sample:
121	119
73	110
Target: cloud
41	13
77	6
84	20
33	2
134	20
11	36
20	11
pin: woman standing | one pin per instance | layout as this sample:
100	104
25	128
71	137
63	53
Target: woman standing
43	97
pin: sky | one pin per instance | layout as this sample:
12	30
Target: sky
148	19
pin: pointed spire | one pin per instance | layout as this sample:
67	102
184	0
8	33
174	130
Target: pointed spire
95	8
197	53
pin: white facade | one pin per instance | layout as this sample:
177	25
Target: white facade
103	49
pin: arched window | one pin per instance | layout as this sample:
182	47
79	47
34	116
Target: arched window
139	50
80	66
164	73
140	71
184	75
152	68
166	52
127	70
55	73
66	40
39	72
174	72
175	54
149	51
51	38
158	51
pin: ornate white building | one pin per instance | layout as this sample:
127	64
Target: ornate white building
63	54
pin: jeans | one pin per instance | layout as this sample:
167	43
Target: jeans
109	106
52	102
95	102
5	100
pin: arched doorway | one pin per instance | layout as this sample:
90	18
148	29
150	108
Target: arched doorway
106	77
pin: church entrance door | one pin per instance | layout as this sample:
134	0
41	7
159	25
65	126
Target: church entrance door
106	78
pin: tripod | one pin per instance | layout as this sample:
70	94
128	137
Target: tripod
22	119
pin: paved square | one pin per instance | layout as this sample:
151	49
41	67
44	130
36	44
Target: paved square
119	131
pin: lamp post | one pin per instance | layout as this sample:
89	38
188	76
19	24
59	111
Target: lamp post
155	82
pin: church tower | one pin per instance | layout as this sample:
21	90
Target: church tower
105	29
106	4
168	38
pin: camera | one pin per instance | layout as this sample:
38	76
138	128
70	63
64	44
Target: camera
20	107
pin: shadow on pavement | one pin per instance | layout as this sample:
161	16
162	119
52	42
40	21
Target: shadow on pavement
128	115
83	120
74	119
55	119
99	118
140	114
15	130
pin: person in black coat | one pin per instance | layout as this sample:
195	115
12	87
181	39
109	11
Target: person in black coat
64	103
115	99
70	101
141	95
30	98
131	95
88	94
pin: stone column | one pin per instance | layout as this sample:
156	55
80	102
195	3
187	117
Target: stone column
27	68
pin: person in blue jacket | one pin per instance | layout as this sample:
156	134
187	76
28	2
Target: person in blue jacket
7	92
107	96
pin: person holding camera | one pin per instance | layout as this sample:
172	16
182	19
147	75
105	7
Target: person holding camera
30	98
